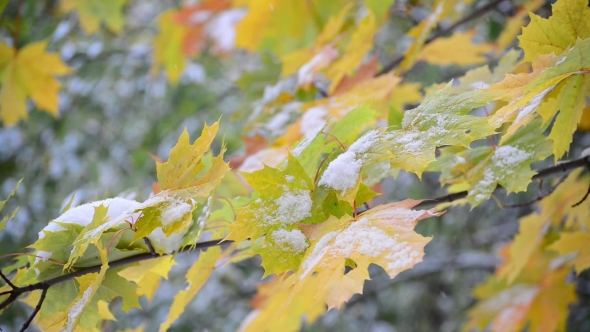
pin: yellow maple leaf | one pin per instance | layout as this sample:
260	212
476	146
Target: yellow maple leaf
180	172
88	284
93	12
514	23
556	211
441	9
148	275
570	21
264	28
104	312
585	120
360	43
539	297
293	61
557	83
384	236
196	276
167	46
25	73
576	245
457	49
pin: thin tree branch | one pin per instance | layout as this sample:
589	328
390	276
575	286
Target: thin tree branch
130	260
6	280
583	198
18	291
148	243
559	168
37	308
476	14
540	196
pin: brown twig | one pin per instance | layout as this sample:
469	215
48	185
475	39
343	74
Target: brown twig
540	196
36	310
476	14
559	168
150	247
18	291
6	280
583	198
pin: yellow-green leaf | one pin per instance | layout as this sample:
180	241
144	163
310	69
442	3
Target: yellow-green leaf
28	73
570	21
93	12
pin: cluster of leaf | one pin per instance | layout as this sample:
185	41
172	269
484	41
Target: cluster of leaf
325	144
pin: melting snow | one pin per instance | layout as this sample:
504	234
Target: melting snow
361	237
506	159
77	310
343	172
293	240
42	256
292	206
532	105
83	214
398	214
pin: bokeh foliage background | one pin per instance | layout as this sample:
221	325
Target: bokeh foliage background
116	116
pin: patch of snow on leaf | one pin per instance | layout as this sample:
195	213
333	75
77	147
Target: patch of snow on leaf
364	143
292	206
170	243
313	120
361	237
533	104
398	214
505	161
42	256
293	240
177	210
83	214
561	60
77	310
343	172
508	157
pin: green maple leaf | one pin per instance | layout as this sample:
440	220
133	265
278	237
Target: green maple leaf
310	150
282	250
284	199
440	120
508	165
93	12
80	243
